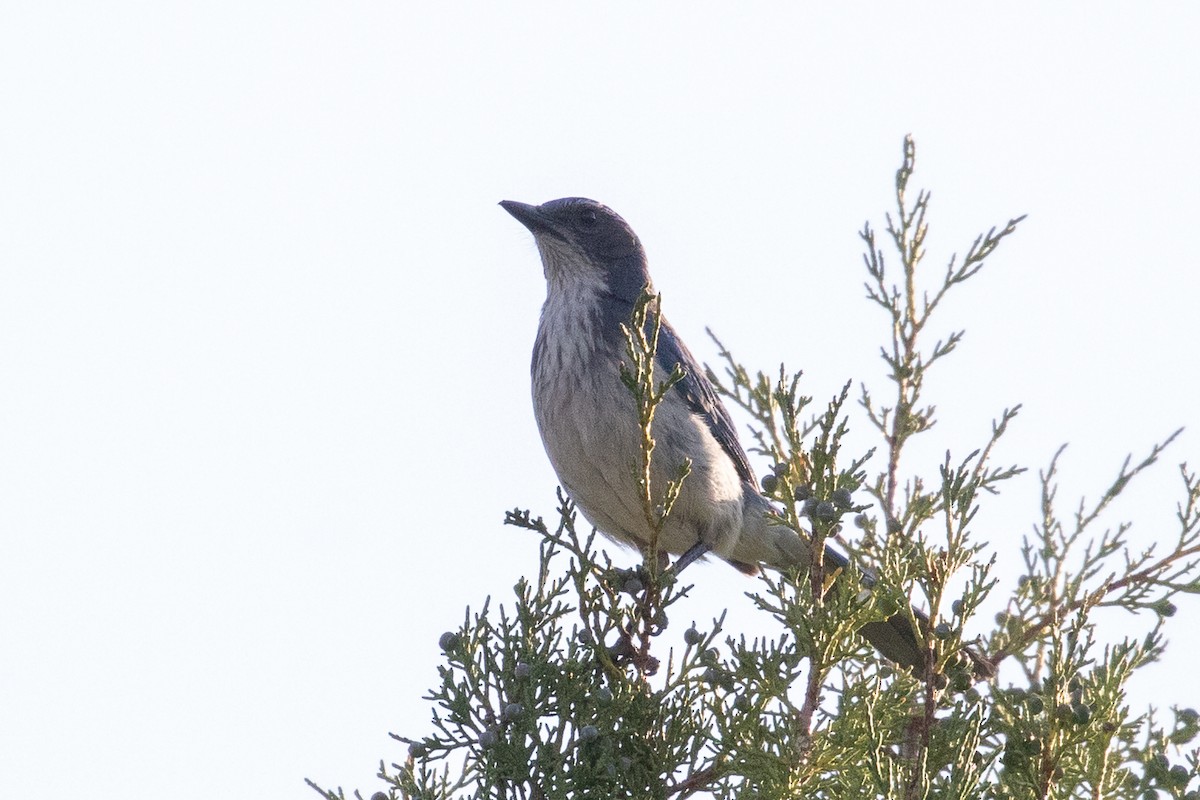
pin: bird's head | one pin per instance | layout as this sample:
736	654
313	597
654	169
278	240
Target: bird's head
585	245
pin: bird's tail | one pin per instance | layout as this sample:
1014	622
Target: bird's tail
780	547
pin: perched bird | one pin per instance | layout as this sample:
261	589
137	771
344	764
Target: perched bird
595	272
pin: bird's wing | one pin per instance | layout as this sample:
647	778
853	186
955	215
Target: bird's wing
701	398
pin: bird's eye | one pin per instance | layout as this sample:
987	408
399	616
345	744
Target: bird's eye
586	218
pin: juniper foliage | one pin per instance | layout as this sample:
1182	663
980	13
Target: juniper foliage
567	691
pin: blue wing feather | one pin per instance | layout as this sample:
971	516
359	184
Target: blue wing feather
701	397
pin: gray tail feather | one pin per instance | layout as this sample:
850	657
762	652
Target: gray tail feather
894	637
896	640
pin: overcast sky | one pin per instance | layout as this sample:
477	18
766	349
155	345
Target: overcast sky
264	332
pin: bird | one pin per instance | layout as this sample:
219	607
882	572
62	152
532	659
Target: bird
596	271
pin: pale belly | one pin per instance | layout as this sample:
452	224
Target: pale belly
589	428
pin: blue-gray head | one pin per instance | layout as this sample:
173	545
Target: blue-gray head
585	246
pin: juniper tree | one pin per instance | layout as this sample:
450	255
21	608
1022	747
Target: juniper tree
567	690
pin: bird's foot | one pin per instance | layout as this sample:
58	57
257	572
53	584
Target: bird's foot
698	550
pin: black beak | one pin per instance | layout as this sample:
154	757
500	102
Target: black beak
529	216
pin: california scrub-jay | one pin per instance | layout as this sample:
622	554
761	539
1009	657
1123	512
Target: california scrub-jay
595	272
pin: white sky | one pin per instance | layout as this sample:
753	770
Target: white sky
264	332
